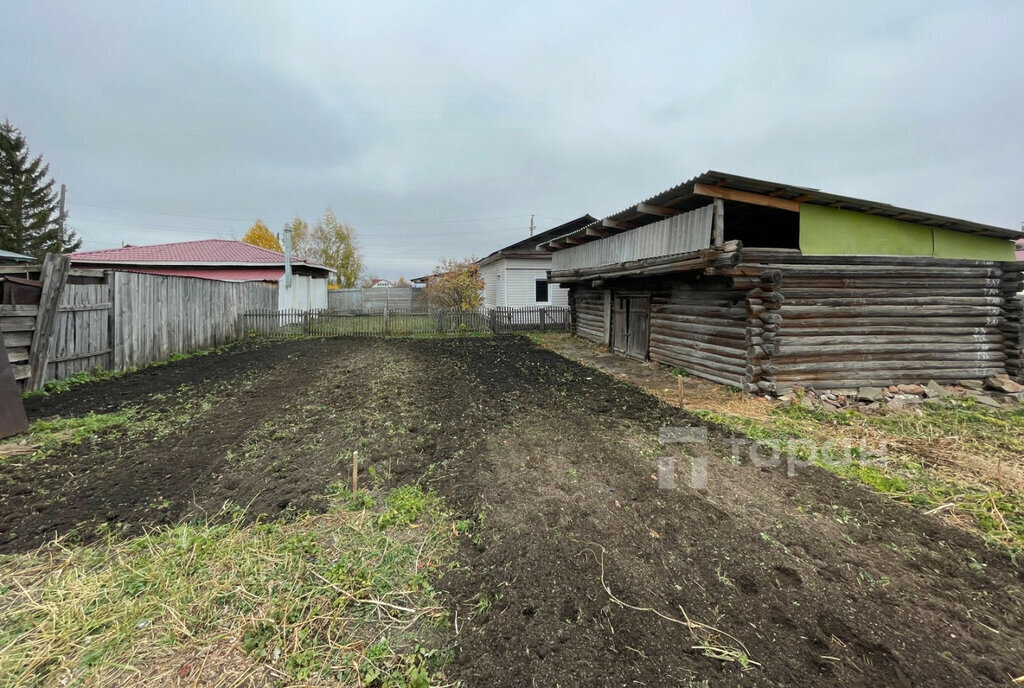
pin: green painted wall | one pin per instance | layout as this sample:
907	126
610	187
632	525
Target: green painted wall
827	231
950	244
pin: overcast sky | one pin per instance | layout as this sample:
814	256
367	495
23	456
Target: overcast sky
437	129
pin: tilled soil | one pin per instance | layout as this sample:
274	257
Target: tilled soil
578	569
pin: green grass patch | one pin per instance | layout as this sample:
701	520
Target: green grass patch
343	596
47	435
995	514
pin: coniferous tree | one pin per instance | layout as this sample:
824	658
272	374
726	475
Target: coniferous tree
29	207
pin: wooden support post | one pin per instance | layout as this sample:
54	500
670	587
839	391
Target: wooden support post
679	384
718	222
112	315
355	473
53	275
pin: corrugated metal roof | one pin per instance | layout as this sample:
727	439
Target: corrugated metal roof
16	257
683	198
527	247
206	251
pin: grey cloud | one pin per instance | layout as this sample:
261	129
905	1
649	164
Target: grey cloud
405	117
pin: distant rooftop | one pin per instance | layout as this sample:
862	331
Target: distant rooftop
203	252
15	257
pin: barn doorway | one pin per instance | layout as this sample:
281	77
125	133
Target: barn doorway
631	325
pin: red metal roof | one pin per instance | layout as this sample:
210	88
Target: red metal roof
206	251
220	274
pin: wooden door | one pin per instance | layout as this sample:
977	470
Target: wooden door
630	325
639	323
620	323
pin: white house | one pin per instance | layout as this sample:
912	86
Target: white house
517	275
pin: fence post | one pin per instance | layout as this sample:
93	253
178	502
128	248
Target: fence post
493	320
543	319
305	323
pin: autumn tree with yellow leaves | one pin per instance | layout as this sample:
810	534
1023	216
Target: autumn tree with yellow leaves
329	242
455	284
260	235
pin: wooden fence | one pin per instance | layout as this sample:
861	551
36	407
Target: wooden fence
156	316
299	323
119	320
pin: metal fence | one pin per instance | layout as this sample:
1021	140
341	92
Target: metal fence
325	323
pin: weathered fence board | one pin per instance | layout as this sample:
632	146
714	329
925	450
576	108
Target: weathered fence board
157	315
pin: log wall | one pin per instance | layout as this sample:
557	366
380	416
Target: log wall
588	313
700	325
833	323
780	319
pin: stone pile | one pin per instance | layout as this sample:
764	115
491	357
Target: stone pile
996	392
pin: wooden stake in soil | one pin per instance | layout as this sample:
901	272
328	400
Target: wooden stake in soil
679	383
355	473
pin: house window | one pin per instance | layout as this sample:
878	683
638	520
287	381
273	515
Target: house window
541	295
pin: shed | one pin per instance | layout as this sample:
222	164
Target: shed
767	286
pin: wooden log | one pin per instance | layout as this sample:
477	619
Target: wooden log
933	321
708	352
800	294
895	300
785	341
733	369
868	365
797	312
871	358
731	331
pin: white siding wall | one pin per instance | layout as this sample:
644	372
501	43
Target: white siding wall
490	274
512	282
521	279
306	293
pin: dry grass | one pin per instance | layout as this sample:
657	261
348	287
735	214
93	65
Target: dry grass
341	597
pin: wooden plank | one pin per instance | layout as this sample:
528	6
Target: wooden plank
53	275
79	356
746	197
12	412
660	211
80	308
18	324
9	310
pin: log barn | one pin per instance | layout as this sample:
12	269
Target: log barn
766	286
